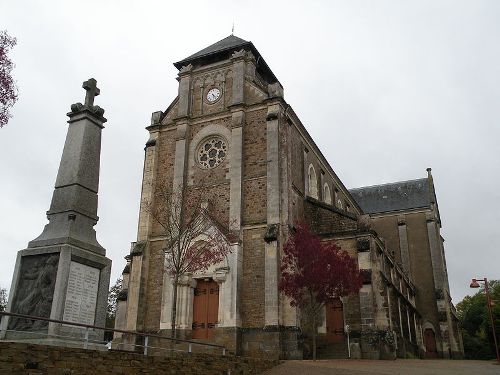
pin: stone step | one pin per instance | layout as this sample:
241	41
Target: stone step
332	351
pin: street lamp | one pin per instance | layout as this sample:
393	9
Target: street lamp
475	284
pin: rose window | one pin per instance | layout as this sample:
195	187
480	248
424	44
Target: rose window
212	152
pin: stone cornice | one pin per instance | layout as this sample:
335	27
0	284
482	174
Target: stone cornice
85	113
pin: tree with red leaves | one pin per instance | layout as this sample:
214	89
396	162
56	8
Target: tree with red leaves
8	89
314	273
193	239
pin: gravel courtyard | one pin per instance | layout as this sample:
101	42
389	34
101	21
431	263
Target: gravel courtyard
398	367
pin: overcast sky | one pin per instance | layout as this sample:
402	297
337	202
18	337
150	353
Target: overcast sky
386	89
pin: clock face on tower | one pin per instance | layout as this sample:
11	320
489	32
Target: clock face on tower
213	95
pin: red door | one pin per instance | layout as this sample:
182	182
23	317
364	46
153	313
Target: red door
205	309
430	343
335	321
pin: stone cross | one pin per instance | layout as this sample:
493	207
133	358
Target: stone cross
92	91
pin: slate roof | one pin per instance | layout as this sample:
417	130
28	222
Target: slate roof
228	43
395	196
222	50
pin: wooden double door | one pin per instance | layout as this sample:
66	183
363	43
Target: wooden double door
205	309
335	321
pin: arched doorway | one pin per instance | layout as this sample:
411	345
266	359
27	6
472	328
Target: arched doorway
205	309
335	321
430	343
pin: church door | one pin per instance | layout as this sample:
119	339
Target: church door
335	321
430	344
205	309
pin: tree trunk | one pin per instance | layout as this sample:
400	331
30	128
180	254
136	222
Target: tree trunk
314	331
174	308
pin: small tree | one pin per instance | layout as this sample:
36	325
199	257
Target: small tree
8	90
315	273
111	309
475	323
3	299
192	242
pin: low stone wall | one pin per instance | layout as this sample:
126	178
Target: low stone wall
17	358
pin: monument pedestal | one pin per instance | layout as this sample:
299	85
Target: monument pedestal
61	283
64	274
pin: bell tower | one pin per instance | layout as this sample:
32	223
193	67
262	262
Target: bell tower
218	141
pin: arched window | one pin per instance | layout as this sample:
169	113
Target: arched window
313	182
339	204
327	195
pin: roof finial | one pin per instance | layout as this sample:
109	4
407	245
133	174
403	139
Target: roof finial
232	29
429	172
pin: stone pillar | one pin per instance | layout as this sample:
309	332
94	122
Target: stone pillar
181	137
409	325
180	160
418	333
121	301
235	169
321	191
238	60
436	258
232	288
148	178
64	274
184	91
185	295
135	259
134	284
306	173
403	245
389	310
166	302
271	310
401	331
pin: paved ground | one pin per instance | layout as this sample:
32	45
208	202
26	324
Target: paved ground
397	367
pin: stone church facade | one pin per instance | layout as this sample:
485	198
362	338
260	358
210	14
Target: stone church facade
230	138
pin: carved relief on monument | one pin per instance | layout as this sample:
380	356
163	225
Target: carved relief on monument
35	291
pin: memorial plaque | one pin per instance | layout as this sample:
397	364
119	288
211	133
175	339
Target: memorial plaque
81	295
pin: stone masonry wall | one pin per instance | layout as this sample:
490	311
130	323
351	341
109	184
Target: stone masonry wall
326	220
16	358
255	144
154	286
252	292
254	194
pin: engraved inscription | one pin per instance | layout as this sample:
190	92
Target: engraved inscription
81	295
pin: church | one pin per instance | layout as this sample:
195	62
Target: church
230	138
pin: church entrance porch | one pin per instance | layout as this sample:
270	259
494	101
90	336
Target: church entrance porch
331	341
205	309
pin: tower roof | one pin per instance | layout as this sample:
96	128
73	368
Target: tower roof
222	50
228	43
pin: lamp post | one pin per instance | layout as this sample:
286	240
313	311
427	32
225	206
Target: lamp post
475	284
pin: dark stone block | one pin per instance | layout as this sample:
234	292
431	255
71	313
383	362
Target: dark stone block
271	233
123	295
138	248
367	276
363	244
